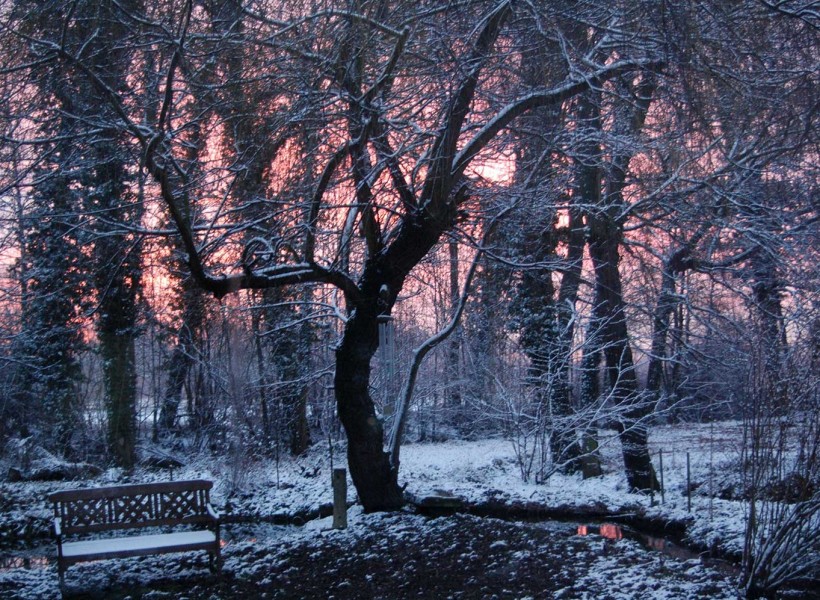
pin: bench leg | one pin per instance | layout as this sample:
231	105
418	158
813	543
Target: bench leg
215	562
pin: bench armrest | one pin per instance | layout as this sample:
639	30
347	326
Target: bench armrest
212	512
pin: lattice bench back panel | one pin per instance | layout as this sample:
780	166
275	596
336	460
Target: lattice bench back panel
127	506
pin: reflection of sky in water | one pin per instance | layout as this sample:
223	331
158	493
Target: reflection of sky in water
658	544
24	561
611	531
607	530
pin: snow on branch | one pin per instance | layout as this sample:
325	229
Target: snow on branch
538	99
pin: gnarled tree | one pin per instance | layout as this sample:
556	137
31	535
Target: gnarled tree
403	109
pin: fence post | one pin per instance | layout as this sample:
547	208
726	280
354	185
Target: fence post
688	485
663	487
339	498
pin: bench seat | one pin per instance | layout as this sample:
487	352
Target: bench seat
138	545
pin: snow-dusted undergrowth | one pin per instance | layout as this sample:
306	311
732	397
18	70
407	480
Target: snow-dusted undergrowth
474	471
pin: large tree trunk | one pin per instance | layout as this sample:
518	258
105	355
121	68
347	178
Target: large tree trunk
286	352
119	370
50	338
611	317
375	480
118	279
767	313
605	224
545	313
384	275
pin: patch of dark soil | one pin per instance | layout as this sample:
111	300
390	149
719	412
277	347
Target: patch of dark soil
407	556
458	557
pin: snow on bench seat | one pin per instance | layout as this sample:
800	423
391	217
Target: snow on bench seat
138	544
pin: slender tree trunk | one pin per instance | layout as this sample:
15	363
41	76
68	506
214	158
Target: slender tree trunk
566	443
20	415
290	355
675	265
183	354
454	349
300	435
261	366
660	330
768	312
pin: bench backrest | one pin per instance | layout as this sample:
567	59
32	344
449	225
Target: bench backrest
128	506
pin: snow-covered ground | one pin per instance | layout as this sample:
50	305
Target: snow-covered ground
475	471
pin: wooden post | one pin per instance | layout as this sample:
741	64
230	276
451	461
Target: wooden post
688	485
663	487
711	470
339	499
590	463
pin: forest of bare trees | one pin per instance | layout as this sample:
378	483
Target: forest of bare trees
232	222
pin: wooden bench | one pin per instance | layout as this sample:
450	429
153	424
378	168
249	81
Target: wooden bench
86	513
